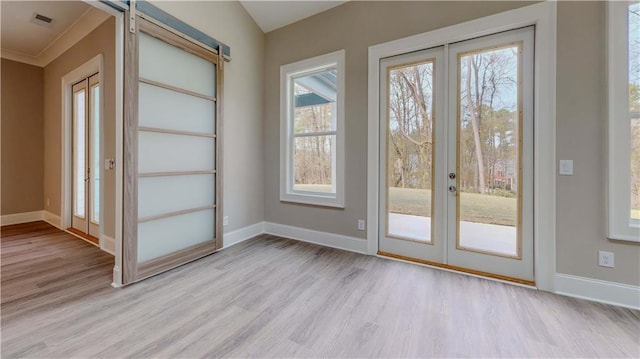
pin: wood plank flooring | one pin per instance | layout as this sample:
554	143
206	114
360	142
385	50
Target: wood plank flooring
274	297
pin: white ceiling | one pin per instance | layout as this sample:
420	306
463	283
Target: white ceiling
271	15
22	36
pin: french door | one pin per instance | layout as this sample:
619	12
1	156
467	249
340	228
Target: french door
457	155
172	148
86	156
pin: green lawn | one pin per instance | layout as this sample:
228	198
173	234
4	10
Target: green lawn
474	207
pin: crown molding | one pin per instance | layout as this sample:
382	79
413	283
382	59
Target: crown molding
86	23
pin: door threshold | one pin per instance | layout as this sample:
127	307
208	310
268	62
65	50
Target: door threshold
460	269
84	236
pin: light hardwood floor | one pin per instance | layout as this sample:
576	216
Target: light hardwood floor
274	297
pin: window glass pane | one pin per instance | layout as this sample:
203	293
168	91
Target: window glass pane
95	154
410	151
315	102
313	161
634	105
488	156
79	153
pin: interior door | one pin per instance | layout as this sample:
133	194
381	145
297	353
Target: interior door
86	157
491	156
456	183
172	195
411	215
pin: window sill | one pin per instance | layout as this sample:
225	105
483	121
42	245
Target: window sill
314	200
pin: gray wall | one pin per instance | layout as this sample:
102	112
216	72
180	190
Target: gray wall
581	135
581	121
22	137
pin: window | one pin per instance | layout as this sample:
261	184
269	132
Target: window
624	120
312	131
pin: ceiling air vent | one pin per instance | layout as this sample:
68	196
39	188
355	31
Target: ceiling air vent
41	20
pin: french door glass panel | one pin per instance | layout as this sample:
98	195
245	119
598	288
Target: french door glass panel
176	150
411	114
94	99
86	155
457	155
491	115
79	150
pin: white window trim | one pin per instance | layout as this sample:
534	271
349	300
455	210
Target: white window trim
287	72
543	16
620	225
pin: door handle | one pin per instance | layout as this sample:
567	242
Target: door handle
452	189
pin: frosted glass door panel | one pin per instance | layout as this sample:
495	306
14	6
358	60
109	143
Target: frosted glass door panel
162	195
171	110
170	65
162	152
172	234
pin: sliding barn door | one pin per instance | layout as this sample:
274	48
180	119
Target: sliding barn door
172	189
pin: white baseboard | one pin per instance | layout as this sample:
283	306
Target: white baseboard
333	240
619	294
18	218
242	234
108	244
52	219
117	277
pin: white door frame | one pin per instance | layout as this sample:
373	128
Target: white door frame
96	64
543	16
111	245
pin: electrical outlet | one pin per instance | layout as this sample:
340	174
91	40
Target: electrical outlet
225	220
566	167
605	259
361	224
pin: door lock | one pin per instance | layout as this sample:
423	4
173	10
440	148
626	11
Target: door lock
452	175
452	189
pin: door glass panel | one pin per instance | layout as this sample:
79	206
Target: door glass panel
171	234
165	152
489	125
95	153
166	194
410	154
158	61
79	153
165	109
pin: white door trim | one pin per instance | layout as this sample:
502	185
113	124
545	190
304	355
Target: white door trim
96	64
543	16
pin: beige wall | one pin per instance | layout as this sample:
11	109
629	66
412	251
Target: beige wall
228	22
101	40
581	121
581	136
22	137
